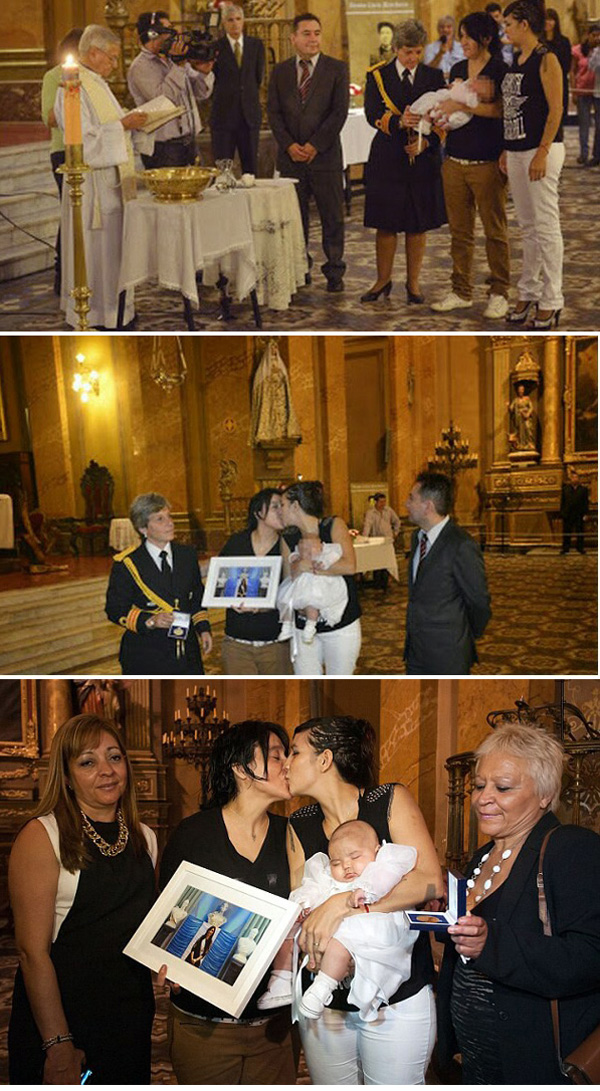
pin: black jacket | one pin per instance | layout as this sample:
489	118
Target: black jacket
236	91
136	590
318	121
529	969
448	604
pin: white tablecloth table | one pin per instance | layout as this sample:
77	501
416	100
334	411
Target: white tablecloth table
357	137
7	529
122	534
171	242
279	248
373	554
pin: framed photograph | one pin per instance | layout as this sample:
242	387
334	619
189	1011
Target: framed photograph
251	580
216	936
581	399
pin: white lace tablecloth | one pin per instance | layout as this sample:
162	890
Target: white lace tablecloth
356	136
170	242
371	556
7	530
279	249
122	534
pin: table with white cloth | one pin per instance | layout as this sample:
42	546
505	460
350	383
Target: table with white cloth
7	529
373	554
122	534
172	242
279	247
356	138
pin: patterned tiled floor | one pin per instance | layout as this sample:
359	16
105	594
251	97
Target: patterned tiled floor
29	303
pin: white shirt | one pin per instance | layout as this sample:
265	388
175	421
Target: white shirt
432	535
312	64
401	69
240	42
155	553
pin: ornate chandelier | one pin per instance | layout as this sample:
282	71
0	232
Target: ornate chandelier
167	363
193	735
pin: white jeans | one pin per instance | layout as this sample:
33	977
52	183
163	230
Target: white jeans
336	651
536	206
395	1049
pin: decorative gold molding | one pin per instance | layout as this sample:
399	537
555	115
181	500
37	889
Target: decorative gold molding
29	745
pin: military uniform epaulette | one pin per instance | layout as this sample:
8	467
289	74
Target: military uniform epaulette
125	552
379	64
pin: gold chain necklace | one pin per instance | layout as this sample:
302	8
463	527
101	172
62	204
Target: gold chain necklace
103	846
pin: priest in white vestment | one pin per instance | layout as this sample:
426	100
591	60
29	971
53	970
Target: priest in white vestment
107	149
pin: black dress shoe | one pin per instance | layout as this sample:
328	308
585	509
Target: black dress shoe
307	279
335	285
373	295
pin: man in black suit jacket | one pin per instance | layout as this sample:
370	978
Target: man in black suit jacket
147	583
448	599
236	114
574	506
307	106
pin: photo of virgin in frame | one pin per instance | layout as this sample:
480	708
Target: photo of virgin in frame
217	936
252	581
581	398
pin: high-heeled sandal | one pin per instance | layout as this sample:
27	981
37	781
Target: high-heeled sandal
413	297
547	323
519	318
373	295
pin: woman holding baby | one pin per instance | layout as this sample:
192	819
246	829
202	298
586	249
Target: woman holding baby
472	179
322	547
331	759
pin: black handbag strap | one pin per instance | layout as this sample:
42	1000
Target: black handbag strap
544	915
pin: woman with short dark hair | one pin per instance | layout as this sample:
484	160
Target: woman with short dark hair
558	43
251	643
335	648
237	836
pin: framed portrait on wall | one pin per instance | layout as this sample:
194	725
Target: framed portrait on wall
216	936
581	398
18	719
3	428
252	581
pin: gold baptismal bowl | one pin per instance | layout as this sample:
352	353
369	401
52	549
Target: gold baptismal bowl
177	183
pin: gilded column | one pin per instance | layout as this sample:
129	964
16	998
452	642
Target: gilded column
551	438
500	354
117	18
138	725
57	706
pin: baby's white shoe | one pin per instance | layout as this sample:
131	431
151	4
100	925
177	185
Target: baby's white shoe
309	631
279	991
317	996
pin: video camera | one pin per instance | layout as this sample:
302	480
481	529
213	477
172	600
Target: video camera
200	43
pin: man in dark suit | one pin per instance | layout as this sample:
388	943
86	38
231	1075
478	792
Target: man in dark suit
448	599
147	584
574	506
307	106
236	114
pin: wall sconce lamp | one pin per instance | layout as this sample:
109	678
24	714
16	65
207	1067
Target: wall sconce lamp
86	381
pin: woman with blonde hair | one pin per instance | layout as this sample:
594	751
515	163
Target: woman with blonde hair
81	880
495	1000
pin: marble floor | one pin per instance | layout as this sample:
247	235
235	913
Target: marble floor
29	304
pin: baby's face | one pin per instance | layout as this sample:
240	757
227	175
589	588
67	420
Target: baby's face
349	856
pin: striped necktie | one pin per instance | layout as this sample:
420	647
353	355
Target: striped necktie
305	78
423	547
237	52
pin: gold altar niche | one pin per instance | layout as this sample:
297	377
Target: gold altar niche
542	388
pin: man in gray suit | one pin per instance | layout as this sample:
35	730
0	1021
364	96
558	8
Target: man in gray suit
448	599
307	107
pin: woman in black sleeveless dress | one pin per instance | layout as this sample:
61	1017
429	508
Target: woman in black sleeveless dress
235	835
331	759
532	98
335	649
81	881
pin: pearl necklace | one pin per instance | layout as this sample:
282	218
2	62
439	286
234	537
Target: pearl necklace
496	869
103	846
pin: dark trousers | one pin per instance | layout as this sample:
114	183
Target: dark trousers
572	524
56	160
327	188
245	139
178	152
380	578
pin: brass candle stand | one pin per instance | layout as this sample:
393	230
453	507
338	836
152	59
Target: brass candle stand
75	170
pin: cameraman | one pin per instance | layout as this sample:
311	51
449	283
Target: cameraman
236	114
155	72
446	51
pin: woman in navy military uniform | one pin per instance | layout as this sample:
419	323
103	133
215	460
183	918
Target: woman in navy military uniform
403	176
146	585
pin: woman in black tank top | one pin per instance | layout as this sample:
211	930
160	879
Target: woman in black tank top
532	94
334	648
331	760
